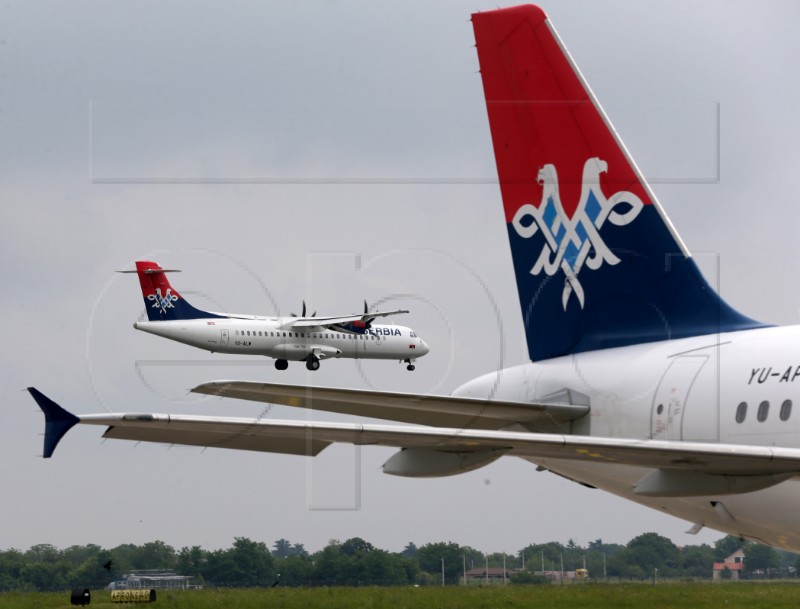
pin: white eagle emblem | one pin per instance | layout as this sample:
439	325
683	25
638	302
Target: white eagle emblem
162	302
574	242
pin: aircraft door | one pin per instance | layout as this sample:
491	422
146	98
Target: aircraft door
672	395
223	338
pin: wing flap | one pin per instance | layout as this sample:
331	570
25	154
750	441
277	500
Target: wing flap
238	434
432	410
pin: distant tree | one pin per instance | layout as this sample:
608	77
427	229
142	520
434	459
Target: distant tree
474	558
653	551
330	565
43	552
298	549
697	561
356	546
90	573
728	545
410	551
763	559
430	558
295	570
282	548
122	557
153	555
77	555
496	560
191	561
10	566
246	564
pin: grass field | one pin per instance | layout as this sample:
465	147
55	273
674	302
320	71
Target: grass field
747	595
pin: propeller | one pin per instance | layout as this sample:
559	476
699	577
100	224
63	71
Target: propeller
368	322
314	314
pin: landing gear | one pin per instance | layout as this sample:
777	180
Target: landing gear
411	367
312	363
281	364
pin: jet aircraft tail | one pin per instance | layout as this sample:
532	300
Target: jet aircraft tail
163	302
598	263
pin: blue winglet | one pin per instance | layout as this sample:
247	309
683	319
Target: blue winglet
57	421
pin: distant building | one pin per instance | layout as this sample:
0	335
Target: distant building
152	579
734	563
492	575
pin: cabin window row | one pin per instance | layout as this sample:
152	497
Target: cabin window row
305	335
763	411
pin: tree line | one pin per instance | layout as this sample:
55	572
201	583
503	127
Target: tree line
356	562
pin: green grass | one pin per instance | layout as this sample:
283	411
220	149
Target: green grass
745	595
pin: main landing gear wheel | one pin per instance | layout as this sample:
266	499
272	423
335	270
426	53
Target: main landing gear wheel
312	363
281	364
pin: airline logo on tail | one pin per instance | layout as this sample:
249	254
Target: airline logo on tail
571	243
162	302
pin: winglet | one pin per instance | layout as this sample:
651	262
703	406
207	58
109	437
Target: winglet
57	421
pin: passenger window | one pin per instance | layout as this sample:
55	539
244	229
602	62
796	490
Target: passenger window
237	332
786	410
290	334
741	412
763	411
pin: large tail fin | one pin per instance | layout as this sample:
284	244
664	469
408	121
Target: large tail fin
597	262
161	300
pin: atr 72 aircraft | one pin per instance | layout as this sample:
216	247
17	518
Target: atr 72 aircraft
642	381
308	339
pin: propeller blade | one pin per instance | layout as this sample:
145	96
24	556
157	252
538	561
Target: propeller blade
304	308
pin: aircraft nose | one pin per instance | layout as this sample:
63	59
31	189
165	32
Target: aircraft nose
423	346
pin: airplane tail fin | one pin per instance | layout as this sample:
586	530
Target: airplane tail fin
161	300
598	263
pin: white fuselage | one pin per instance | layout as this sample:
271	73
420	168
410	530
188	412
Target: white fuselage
270	337
685	390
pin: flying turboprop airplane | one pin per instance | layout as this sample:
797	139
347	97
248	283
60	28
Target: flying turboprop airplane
303	338
642	382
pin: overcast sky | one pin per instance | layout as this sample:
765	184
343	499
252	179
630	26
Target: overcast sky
334	151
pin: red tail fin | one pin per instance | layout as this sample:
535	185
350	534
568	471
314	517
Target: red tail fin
597	262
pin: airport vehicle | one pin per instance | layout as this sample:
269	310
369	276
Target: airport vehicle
296	338
642	382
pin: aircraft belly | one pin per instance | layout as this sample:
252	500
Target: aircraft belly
768	515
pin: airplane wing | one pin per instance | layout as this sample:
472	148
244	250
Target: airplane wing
766	465
326	322
433	410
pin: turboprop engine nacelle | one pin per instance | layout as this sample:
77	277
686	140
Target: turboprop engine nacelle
430	463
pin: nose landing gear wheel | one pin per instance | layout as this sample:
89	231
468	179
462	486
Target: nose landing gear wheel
411	367
312	363
281	364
